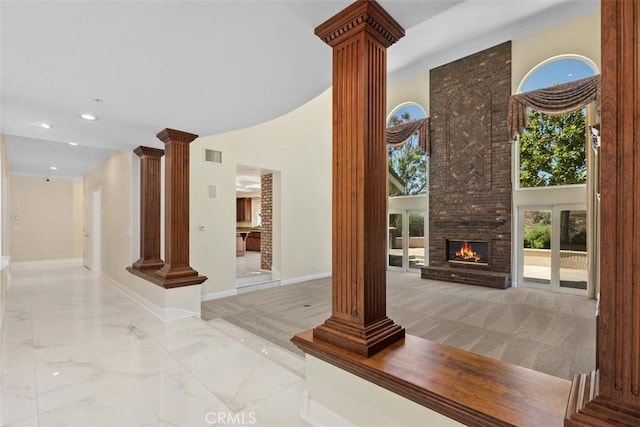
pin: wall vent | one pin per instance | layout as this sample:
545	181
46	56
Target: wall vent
212	156
213	191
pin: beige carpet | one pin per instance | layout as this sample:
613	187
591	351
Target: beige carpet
537	329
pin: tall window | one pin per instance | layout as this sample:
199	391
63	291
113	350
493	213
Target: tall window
552	148
407	163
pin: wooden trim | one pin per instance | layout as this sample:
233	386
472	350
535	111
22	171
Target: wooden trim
470	388
167	283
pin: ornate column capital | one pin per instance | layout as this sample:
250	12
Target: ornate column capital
143	151
171	135
361	15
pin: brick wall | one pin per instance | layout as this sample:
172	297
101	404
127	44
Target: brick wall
470	163
266	235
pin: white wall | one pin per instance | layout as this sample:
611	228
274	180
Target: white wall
119	188
580	36
4	232
44	217
336	397
415	89
298	147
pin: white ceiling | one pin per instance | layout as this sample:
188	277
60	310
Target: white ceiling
203	66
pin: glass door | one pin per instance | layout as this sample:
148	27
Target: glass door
572	253
396	247
416	247
406	245
536	247
553	248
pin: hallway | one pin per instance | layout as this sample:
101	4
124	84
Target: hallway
75	351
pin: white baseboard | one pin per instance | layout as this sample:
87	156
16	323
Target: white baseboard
4	262
65	262
219	294
304	278
3	304
318	415
258	286
167	313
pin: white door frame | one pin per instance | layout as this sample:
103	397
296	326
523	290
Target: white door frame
96	230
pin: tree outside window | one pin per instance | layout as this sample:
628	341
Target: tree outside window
552	150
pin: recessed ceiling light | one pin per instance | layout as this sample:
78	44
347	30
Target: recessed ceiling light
73	143
87	116
45	125
53	168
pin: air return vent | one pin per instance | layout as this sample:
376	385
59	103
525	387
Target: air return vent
213	156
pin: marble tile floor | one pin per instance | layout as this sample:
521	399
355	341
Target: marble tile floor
75	351
248	265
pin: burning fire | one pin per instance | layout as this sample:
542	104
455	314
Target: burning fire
466	253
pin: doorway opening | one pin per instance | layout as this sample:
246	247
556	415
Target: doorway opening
254	227
93	232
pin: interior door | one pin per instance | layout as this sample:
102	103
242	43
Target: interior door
86	233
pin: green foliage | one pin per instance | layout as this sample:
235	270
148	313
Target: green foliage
408	162
538	237
395	220
552	150
416	225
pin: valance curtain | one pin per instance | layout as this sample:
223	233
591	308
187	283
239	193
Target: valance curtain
555	100
398	135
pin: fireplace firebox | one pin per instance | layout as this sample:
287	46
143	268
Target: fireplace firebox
468	252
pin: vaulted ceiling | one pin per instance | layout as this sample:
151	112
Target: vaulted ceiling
203	66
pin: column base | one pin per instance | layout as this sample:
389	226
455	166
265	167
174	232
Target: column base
169	281
586	408
363	340
148	264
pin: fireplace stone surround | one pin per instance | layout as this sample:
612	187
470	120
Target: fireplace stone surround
470	167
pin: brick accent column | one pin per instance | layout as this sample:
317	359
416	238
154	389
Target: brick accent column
359	36
611	395
150	183
266	228
176	270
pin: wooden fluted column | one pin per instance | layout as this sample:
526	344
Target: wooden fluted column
611	395
150	184
176	270
359	36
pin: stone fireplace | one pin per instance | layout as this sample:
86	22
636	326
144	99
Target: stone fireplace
470	170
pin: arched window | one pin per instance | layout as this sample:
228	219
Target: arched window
407	172
552	148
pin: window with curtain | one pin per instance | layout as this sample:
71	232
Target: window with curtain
407	172
552	147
